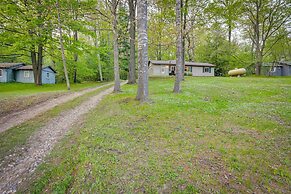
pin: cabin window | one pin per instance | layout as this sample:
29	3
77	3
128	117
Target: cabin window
206	69
47	75
26	74
1	72
163	70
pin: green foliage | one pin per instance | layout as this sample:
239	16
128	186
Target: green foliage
208	26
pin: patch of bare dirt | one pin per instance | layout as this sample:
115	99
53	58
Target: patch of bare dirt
11	105
18	117
16	168
211	163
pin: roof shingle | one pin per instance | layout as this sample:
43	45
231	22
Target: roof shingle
173	62
10	65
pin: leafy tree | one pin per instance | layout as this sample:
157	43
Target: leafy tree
62	45
265	19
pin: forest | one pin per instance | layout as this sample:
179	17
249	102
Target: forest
107	126
93	39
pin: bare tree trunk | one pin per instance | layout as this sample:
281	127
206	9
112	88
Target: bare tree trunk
189	49
184	14
229	33
75	58
142	91
183	58
98	54
177	87
62	46
39	64
115	47
131	75
37	57
257	40
36	60
160	47
259	57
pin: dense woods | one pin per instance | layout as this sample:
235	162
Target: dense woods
95	39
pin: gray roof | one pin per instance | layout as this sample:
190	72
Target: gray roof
187	63
277	64
29	67
285	62
10	65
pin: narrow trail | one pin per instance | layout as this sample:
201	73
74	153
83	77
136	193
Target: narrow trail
16	168
19	117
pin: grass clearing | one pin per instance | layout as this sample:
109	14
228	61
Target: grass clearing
18	96
219	135
22	89
17	136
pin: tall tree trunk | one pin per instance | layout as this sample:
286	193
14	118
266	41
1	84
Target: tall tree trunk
259	57
34	64
39	64
160	48
131	75
115	47
75	58
36	60
257	51
257	38
142	91
98	54
75	39
37	57
189	49
184	14
177	87
229	33
183	57
62	46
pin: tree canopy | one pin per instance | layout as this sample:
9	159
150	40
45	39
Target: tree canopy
99	35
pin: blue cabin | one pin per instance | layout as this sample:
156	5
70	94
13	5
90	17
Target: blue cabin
7	71
19	72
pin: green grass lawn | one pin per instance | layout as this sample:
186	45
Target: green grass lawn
18	96
219	135
20	89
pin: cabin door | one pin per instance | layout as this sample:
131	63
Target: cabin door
172	70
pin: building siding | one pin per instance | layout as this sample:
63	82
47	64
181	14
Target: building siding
10	75
286	70
159	70
198	71
7	76
20	76
48	76
3	78
13	74
163	70
45	80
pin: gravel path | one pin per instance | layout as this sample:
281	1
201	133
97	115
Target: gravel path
19	117
18	167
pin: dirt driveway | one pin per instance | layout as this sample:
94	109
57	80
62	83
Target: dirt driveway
17	167
19	117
